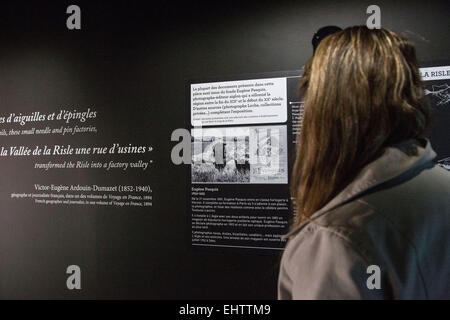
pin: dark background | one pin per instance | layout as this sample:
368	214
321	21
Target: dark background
131	61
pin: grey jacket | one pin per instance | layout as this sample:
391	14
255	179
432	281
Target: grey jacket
394	215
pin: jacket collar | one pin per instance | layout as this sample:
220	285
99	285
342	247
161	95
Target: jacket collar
394	161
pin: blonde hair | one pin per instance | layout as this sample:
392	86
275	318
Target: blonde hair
362	92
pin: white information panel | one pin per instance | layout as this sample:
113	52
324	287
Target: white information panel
239	102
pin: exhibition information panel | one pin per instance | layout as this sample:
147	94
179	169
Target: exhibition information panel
243	134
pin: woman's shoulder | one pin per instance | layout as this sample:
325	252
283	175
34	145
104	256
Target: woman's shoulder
402	240
329	259
348	225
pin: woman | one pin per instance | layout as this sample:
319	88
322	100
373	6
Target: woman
373	211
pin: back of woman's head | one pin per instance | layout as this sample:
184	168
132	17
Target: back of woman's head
362	92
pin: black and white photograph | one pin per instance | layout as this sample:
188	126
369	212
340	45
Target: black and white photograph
239	155
268	154
221	155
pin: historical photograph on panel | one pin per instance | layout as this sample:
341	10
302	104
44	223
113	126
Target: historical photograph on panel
268	155
220	155
239	155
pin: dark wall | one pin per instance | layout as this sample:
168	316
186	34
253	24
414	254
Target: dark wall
132	61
